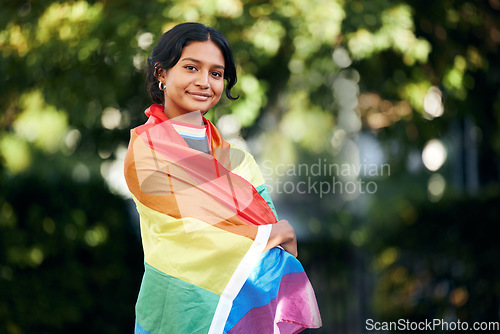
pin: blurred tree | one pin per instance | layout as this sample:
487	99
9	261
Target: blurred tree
443	265
67	264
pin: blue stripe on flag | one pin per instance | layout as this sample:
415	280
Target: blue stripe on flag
263	284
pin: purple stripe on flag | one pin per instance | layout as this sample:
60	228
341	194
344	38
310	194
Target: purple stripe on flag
295	301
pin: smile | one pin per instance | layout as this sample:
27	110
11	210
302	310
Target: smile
200	96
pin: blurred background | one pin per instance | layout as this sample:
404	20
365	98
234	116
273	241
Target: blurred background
376	124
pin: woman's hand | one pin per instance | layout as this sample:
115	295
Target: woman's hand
283	234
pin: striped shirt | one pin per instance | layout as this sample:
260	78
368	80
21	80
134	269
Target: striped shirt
194	135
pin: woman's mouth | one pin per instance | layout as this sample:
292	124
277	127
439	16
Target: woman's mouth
200	96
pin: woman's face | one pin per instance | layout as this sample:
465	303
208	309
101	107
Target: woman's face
196	82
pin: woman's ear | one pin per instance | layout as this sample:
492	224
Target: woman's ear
161	74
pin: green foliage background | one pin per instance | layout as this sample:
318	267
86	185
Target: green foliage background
317	79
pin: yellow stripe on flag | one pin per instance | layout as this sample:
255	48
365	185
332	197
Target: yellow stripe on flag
191	250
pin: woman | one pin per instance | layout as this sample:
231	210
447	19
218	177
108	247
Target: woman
216	257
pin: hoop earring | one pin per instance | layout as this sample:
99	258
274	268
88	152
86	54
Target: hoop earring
161	86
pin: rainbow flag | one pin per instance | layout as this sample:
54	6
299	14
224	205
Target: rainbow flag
205	221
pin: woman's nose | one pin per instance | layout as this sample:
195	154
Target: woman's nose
202	79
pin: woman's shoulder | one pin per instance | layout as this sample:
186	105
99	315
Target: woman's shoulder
244	164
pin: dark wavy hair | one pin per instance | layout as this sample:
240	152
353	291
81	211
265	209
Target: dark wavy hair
169	49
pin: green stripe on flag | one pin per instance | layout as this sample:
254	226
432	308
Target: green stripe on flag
169	305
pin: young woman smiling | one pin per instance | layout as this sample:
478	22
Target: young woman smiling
196	82
217	258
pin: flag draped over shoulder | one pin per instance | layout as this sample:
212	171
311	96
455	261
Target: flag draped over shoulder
205	221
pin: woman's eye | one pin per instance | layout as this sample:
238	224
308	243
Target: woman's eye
217	74
191	68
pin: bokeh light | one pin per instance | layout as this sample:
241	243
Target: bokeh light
434	155
433	103
436	187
